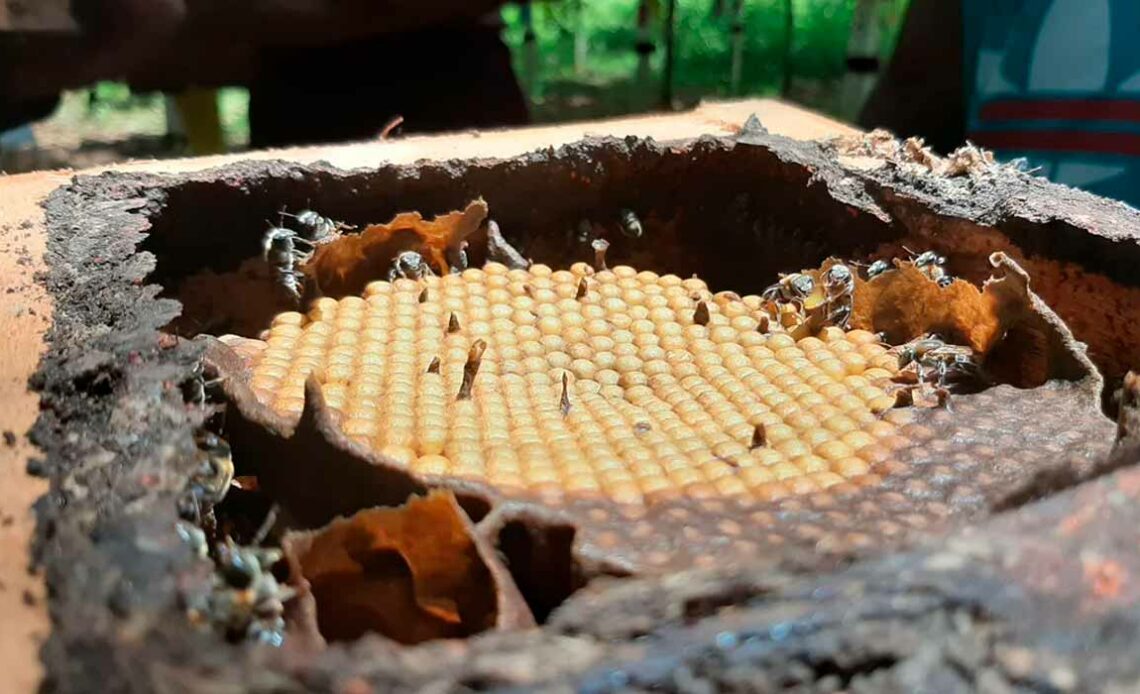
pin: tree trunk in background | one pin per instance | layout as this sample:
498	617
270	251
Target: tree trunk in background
789	45
645	48
737	29
862	57
530	67
581	38
670	57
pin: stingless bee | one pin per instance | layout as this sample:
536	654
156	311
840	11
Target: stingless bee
877	268
630	224
839	284
409	265
583	230
928	259
949	363
1127	399
247	601
284	251
241	567
314	227
211	480
792	289
931	264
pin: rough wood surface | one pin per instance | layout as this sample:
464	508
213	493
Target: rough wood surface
25	315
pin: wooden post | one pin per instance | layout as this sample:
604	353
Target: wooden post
198	109
670	57
644	47
530	49
789	45
581	39
737	29
862	57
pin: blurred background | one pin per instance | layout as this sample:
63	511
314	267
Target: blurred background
573	59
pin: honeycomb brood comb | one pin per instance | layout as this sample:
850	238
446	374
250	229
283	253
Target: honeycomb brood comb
652	462
656	402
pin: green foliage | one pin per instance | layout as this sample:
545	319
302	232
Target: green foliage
106	100
704	48
608	80
233	109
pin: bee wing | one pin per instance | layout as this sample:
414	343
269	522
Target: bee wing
267	244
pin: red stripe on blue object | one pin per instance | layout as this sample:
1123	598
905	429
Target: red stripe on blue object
1061	109
1059	141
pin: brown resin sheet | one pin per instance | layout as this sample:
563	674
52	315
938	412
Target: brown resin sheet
414	573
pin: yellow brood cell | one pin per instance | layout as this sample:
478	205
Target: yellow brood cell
625	384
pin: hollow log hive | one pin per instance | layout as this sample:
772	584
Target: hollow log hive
680	500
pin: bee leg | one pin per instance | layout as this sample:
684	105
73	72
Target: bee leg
201	391
209	523
266	526
297	286
840	315
189	509
194	391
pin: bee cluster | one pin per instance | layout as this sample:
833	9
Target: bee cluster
930	263
804	306
930	369
245	602
287	249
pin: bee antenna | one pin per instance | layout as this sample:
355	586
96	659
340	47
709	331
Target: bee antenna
912	253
